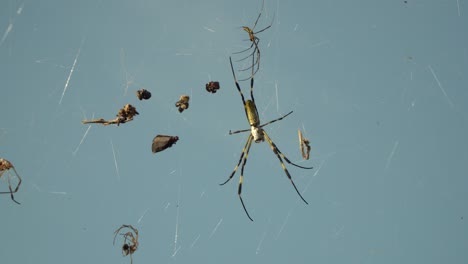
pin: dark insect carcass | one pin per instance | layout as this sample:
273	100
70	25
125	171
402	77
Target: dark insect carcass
162	142
143	94
212	87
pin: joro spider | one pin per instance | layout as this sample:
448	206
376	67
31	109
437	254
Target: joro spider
258	135
255	40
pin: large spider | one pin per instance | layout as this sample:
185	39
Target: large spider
128	248
6	166
258	135
255	40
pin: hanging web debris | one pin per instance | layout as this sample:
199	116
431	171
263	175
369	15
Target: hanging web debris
124	115
183	103
162	142
115	160
216	227
176	234
143	94
304	145
130	240
6	166
212	87
71	71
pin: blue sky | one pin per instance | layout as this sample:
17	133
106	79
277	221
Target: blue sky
378	87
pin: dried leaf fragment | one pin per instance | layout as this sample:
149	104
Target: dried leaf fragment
162	142
304	145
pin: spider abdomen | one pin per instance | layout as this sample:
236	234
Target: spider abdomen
252	113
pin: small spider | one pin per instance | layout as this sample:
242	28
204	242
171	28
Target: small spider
5	166
183	103
255	41
212	87
162	142
128	248
143	94
304	145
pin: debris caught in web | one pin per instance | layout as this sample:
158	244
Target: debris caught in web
304	144
124	115
143	94
183	103
212	87
162	142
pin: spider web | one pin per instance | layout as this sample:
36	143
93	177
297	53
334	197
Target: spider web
376	108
